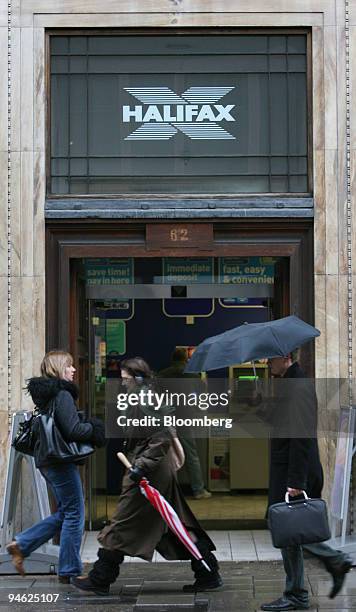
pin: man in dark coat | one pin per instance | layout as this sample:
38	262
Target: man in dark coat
295	467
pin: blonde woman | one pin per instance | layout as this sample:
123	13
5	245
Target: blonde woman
55	390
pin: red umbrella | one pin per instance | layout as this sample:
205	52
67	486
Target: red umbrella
168	514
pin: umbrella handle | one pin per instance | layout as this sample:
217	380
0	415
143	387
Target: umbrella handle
124	460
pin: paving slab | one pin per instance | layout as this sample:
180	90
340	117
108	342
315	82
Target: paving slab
130	590
157	587
158	602
162	586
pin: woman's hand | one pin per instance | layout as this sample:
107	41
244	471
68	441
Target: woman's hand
98	437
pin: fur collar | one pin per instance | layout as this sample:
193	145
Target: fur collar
42	389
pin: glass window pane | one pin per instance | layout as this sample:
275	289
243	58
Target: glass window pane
249	44
298	165
297	44
161	185
79	186
253	129
296	63
278	63
59	186
279	184
187	45
277	44
158	64
59	116
78	44
279	165
105	135
78	64
279	114
59	44
297	126
59	64
298	184
78	116
59	167
78	167
176	166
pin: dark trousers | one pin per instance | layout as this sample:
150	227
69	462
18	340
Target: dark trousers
106	568
294	567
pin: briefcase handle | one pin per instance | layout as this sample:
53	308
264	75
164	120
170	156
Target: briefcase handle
287	500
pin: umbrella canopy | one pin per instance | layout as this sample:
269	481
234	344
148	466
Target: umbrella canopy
170	517
168	514
251	341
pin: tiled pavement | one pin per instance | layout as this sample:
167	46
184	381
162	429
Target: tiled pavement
156	587
230	546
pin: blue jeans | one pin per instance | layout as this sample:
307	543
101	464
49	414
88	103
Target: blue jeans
66	485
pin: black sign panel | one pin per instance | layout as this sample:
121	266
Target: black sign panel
179	114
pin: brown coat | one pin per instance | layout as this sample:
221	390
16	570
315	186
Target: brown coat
136	528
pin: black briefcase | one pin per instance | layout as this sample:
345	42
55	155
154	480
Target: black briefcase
303	521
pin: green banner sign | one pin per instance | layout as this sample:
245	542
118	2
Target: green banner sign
187	270
115	336
246	270
109	271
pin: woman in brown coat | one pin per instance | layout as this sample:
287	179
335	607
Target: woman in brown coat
136	528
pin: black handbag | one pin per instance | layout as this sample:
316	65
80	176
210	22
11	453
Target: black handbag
26	436
303	521
51	448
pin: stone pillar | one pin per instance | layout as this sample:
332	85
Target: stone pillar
3	238
22	144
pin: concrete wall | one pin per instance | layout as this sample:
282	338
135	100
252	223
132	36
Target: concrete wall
29	18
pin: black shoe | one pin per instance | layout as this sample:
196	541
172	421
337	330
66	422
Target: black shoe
338	573
282	604
204	585
83	583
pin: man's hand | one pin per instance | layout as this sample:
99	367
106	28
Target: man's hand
294	492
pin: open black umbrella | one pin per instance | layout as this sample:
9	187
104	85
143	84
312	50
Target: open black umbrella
251	341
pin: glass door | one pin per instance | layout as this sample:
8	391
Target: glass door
151	307
107	344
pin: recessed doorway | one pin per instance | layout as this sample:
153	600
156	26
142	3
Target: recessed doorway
118	300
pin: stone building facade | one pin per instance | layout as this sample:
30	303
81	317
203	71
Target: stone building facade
23	130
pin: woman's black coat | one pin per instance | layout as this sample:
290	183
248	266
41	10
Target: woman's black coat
61	394
294	460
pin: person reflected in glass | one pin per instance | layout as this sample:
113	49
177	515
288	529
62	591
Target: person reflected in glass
174	375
